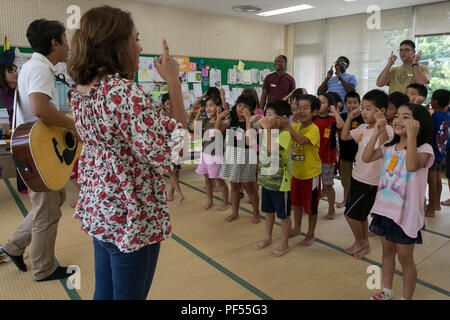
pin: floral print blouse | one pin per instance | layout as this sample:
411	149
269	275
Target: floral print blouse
127	147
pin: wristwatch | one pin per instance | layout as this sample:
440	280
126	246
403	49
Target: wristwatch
414	64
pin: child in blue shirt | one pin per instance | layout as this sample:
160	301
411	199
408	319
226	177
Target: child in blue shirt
441	122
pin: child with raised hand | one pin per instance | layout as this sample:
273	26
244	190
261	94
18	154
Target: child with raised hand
348	149
327	125
339	104
175	174
252	93
240	162
395	100
365	176
275	181
306	166
398	213
441	125
293	99
212	151
417	93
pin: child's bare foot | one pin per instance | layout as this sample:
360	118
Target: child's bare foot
340	205
170	197
306	242
330	215
361	253
223	207
278	252
293	233
353	249
262	244
446	202
256	219
231	217
429	213
371	234
180	198
208	205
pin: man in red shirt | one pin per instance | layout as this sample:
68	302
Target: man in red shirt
278	84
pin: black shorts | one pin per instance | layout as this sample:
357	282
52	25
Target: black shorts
278	202
361	198
385	227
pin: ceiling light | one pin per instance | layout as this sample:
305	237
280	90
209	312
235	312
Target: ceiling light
285	10
246	8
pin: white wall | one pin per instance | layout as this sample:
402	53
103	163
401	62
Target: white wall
189	33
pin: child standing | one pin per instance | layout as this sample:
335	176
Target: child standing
365	176
327	125
395	100
338	101
442	98
306	166
275	195
240	162
211	157
441	126
417	93
398	214
175	174
348	149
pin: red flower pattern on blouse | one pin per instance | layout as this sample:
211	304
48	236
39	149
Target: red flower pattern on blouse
127	147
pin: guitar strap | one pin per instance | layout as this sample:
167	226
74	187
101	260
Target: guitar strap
16	102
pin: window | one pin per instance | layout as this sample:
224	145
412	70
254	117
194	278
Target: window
436	56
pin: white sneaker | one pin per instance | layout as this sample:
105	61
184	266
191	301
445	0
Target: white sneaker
381	296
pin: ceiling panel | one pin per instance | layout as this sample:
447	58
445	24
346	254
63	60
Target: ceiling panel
322	8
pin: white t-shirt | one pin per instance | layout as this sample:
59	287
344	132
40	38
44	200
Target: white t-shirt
36	75
368	173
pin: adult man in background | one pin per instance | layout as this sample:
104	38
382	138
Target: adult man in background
399	78
342	82
277	85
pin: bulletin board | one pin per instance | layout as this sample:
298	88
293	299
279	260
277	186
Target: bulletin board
224	65
205	67
210	64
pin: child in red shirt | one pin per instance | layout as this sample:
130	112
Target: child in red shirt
327	126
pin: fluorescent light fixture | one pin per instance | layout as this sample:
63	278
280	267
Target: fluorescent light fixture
285	10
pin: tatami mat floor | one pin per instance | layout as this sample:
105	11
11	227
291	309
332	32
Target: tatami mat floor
208	258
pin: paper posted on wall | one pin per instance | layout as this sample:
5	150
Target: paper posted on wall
21	58
262	75
197	89
255	75
215	78
231	77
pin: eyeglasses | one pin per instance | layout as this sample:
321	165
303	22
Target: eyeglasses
403	50
343	63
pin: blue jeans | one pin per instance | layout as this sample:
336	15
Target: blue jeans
123	276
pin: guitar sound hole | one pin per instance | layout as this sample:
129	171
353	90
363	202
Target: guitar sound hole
69	140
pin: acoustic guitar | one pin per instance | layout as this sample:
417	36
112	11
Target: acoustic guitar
44	155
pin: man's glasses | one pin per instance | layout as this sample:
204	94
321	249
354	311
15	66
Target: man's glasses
342	63
404	50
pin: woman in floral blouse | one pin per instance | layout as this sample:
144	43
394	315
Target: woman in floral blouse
127	147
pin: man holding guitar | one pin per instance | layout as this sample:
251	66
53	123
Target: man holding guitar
38	100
